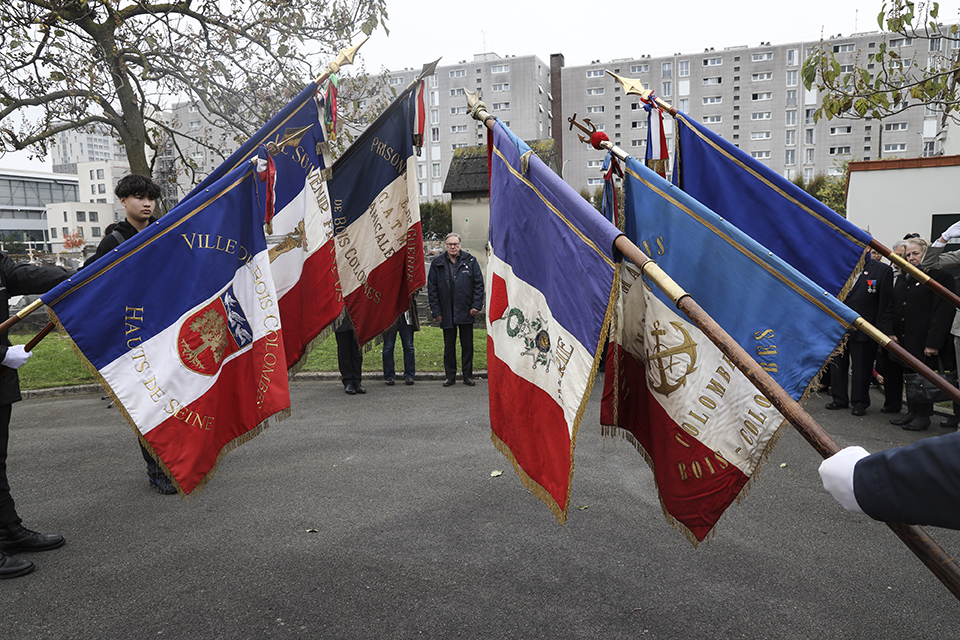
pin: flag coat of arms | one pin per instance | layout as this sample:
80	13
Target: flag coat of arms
181	324
376	219
701	424
769	208
550	282
301	232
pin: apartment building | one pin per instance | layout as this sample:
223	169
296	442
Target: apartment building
516	89
24	199
94	143
750	95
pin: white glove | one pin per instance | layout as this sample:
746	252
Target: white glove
837	475
16	356
952	233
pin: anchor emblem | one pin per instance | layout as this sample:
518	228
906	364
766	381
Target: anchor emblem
593	128
667	358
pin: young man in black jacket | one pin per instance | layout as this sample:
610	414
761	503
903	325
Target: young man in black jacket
139	196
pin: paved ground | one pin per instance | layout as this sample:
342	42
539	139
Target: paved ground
377	516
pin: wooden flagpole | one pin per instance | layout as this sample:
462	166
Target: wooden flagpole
34	341
635	87
925	548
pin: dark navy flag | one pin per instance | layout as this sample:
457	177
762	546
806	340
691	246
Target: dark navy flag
703	425
181	324
301	231
778	214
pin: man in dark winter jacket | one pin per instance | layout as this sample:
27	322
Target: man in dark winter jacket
455	292
17	279
138	195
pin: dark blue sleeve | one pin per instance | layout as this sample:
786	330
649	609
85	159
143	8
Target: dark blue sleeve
916	484
477	287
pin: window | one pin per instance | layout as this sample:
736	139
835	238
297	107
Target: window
712	119
712	62
420	172
435	170
99	174
896	43
434	98
929	148
791	137
396	81
808	137
193	108
637	143
95	232
895	126
458	111
760	115
65	217
458	73
666	88
194	124
763	95
808	156
760	155
93	189
762	76
899	146
91	174
594	182
712	99
760	135
500	68
456	92
594	164
839	151
790	157
843	48
501	106
683	68
640	68
809	116
595	109
713	80
836	131
666	69
66	231
595	91
101	188
684	105
53	232
435	116
638	124
94	216
458	128
458	145
594	73
792	78
81	216
760	57
791	57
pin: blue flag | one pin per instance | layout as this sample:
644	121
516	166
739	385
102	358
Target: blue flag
778	214
181	324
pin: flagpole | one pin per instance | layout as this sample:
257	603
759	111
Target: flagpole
34	341
632	86
922	545
20	315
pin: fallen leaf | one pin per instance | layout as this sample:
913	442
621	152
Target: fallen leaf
583	506
783	464
494	474
313	530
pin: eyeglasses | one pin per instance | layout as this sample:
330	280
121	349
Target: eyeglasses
910	236
453	244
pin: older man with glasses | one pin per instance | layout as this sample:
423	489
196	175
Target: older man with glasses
455	293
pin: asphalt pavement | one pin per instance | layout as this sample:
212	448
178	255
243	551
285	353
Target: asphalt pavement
377	516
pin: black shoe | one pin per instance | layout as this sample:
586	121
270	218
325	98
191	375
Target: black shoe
889	410
858	411
902	420
15	538
469	382
360	388
163	485
390	382
833	406
350	389
408	381
11	567
950	423
921	423
449	382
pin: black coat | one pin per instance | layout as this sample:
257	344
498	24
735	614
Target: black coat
454	288
870	296
920	318
16	280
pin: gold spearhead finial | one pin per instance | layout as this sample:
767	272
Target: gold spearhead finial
344	58
633	86
476	107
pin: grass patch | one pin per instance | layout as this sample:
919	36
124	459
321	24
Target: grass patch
54	363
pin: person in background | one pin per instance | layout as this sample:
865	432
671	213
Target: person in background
349	357
934	258
406	325
919	320
455	292
890	370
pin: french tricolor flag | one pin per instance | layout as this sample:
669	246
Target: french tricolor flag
376	219
182	326
550	286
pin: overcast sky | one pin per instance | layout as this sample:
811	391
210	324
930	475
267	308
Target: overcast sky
424	30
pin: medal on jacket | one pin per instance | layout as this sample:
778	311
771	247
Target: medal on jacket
871	286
